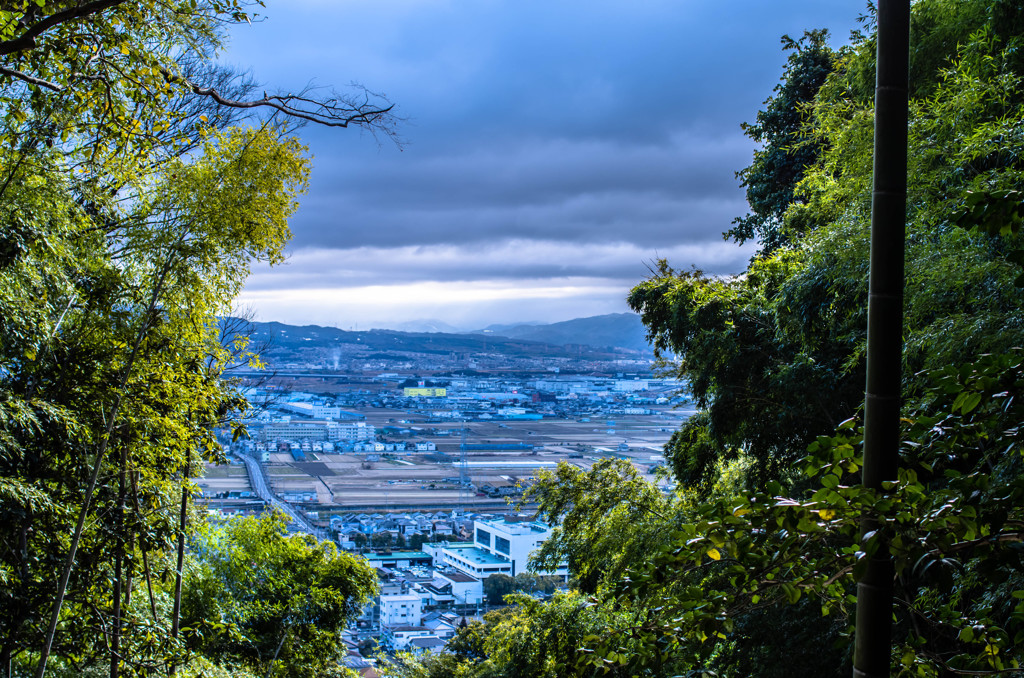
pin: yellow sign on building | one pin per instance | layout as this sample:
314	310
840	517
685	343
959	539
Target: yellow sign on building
425	392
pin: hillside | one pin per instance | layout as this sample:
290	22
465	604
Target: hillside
605	337
620	330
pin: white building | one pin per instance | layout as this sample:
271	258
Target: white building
400	609
402	637
475	562
511	411
326	412
468	591
513	542
630	385
351	431
295	430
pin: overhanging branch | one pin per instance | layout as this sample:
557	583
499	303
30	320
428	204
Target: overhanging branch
31	79
27	40
331	112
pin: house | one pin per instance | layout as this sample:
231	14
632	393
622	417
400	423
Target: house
425	644
442	527
401	637
443	623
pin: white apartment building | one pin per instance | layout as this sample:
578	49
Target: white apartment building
319	431
401	609
295	430
351	431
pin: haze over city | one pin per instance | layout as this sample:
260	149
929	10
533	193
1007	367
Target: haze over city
550	152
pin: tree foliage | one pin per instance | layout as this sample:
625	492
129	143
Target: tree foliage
274	601
787	149
134	196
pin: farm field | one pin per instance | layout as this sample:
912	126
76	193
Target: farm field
430	480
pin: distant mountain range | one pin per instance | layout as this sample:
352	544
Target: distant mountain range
619	330
598	336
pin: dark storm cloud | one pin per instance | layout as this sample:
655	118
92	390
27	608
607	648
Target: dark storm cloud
564	127
556	190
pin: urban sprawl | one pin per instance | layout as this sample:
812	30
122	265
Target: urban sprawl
424	476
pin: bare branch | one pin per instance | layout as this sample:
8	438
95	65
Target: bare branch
331	112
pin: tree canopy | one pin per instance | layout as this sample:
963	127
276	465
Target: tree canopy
139	181
274	601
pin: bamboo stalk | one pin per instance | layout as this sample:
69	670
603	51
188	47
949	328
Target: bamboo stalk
885	325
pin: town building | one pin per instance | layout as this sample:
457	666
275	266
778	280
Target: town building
513	541
400	609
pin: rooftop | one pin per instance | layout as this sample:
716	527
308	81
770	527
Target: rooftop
456	545
480	557
457	577
428	642
516	527
396	555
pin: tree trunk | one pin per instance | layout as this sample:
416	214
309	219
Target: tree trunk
145	557
101	451
182	525
885	326
115	632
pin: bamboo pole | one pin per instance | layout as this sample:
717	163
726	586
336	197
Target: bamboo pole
885	325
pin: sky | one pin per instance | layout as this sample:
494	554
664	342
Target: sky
551	151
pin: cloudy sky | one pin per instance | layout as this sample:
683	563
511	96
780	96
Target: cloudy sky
552	150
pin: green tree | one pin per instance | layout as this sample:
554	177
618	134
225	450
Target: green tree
787	149
762	531
276	602
132	209
497	586
381	540
633	515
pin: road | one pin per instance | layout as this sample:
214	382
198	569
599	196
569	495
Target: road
258	480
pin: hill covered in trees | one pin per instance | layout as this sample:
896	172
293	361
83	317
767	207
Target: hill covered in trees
599	338
620	330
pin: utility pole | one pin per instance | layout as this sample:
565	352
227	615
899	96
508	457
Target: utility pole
885	326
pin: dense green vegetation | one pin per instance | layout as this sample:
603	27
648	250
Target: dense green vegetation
747	566
133	199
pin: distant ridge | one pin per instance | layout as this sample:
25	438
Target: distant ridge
430	325
599	336
619	330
